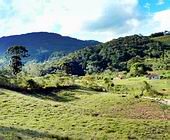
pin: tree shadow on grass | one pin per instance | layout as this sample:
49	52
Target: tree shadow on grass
21	134
50	93
1	93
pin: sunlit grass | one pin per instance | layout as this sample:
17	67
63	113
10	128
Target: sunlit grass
164	39
84	115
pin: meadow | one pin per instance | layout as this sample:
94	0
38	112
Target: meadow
82	112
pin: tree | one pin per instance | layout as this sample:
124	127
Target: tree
73	68
138	69
16	53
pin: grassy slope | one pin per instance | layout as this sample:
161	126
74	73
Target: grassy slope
164	39
82	114
162	86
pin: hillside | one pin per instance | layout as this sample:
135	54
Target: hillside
42	45
119	55
163	39
85	114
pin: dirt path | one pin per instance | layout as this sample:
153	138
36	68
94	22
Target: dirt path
162	101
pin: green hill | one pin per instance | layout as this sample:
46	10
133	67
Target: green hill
163	39
119	55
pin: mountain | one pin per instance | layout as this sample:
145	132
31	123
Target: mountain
42	45
119	54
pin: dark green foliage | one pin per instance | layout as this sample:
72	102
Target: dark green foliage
109	83
133	61
138	69
31	84
73	68
120	89
4	81
16	64
117	54
16	53
157	34
149	90
98	88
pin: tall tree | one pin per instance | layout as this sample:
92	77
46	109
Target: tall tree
73	68
16	53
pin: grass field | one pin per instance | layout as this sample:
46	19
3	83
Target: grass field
162	86
84	114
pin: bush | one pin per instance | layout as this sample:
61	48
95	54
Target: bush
32	85
138	69
73	68
89	78
5	82
98	88
149	90
120	89
109	83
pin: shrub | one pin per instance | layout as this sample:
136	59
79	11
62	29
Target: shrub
4	81
120	89
98	88
73	68
138	69
109	83
89	78
149	90
31	84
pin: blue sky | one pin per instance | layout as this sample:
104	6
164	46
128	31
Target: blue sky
155	5
101	20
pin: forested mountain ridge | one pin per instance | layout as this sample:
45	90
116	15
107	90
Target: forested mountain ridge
42	45
117	54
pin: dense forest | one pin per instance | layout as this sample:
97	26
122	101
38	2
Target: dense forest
119	55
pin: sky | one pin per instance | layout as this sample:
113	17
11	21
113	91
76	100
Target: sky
100	20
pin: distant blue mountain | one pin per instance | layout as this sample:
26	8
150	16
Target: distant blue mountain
42	44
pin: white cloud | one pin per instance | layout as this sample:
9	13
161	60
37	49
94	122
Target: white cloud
161	2
155	22
119	17
46	15
110	18
162	20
